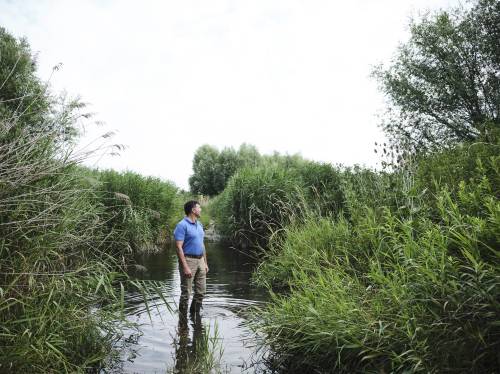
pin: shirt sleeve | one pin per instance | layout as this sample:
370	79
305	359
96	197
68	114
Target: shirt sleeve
179	232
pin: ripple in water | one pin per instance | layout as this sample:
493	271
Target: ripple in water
163	341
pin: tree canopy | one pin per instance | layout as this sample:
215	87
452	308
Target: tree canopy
19	85
443	85
212	169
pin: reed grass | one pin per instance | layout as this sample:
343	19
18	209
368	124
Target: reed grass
62	273
258	202
204	355
142	208
410	285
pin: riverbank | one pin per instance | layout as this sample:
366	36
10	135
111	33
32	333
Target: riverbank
404	278
68	233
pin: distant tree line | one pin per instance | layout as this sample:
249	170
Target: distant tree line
213	168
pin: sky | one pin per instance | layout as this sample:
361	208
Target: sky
166	77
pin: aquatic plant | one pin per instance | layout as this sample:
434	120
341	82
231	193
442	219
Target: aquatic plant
62	268
392	289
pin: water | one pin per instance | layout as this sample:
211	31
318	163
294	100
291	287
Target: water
162	343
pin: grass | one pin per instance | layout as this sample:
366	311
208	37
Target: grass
142	208
256	202
408	282
203	354
62	272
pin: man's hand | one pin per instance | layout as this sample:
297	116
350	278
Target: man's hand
206	268
187	272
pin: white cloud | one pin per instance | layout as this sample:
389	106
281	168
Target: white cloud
291	76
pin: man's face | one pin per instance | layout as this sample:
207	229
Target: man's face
197	210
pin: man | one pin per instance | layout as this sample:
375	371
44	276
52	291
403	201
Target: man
192	256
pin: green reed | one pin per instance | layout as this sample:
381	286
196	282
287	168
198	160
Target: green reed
144	208
203	354
62	278
409	285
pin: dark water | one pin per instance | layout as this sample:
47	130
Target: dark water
163	345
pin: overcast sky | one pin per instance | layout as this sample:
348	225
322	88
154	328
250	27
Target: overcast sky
169	76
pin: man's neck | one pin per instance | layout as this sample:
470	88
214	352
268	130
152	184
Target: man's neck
192	218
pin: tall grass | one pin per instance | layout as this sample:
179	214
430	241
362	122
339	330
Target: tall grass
410	288
256	202
62	276
143	208
261	200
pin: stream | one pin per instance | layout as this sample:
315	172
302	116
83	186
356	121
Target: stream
164	343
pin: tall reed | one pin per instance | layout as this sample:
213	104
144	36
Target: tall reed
412	288
259	201
256	202
143	208
61	280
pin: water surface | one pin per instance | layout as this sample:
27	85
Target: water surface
163	343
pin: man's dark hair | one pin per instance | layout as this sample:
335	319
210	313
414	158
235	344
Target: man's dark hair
189	206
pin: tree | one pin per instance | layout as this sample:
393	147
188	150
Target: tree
248	155
213	169
20	89
443	85
204	166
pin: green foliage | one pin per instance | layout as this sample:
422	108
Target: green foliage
21	91
57	260
444	83
390	289
407	278
322	183
468	163
261	200
142	208
62	268
205	178
212	169
256	202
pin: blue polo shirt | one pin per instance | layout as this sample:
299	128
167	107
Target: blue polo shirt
192	234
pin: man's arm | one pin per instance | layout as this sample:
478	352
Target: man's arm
205	257
182	259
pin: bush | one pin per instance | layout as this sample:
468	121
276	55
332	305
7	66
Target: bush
257	202
142	208
391	289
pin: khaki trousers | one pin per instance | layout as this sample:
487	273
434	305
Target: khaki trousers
199	277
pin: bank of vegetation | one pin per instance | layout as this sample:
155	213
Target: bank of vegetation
393	270
67	233
145	209
410	286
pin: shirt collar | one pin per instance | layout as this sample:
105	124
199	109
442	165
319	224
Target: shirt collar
188	220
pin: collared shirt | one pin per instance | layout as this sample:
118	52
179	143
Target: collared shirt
192	234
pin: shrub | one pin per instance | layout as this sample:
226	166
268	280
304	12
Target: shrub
140	207
390	291
257	202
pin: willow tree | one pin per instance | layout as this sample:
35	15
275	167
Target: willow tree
443	85
213	169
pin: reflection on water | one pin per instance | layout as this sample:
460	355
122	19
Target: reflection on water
189	351
171	341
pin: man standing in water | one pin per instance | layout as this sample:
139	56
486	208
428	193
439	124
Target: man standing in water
192	256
